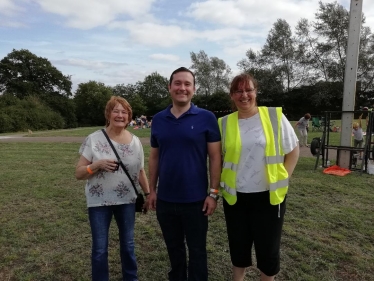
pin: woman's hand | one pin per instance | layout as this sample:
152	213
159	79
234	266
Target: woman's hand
109	165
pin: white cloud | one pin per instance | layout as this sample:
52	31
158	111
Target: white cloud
8	12
86	14
255	15
88	64
154	34
241	48
8	7
11	23
227	34
122	41
368	10
162	35
218	12
165	57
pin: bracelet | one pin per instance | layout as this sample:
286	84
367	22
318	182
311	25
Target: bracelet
214	196
89	170
146	194
212	190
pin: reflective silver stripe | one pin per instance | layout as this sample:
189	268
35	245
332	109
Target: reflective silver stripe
274	123
274	159
229	190
281	183
223	126
230	165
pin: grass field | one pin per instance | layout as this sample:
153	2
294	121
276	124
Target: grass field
45	235
82	132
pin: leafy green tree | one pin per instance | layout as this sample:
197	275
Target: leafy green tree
22	73
280	56
313	58
90	100
332	21
63	105
325	51
154	93
130	92
126	91
211	73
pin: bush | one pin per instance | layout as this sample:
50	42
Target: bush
26	114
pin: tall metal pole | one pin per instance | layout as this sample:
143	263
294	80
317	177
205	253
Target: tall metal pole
350	77
206	98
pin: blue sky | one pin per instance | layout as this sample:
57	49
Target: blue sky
122	41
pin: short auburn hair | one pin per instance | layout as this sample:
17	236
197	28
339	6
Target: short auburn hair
112	103
307	116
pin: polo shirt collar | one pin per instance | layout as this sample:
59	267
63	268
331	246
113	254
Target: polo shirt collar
192	110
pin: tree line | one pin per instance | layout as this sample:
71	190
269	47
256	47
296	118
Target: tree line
301	70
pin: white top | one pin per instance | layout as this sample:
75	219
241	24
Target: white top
303	123
357	134
108	188
251	171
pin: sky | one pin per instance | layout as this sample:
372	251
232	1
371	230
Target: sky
123	41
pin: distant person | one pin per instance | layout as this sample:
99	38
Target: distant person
109	191
260	151
358	137
132	123
302	126
138	121
182	136
143	118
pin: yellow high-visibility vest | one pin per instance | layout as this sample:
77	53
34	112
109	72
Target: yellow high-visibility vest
276	173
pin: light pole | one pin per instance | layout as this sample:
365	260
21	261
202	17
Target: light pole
206	98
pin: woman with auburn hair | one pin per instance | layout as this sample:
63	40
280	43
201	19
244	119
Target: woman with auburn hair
109	192
260	151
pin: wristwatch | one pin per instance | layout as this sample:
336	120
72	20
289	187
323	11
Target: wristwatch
214	196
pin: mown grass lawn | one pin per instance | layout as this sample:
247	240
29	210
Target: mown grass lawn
45	235
83	132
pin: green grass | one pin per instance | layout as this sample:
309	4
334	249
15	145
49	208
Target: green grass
85	131
45	235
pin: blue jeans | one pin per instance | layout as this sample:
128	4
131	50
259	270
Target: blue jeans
180	221
100	218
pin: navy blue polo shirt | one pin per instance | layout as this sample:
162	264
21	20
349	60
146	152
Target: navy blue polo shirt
182	144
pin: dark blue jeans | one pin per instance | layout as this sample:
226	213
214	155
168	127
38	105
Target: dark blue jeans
100	218
180	221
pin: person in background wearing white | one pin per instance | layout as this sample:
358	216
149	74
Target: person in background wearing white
302	126
358	137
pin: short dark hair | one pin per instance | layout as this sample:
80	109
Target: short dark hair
307	116
181	69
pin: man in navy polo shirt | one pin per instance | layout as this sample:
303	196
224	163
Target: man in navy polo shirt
182	136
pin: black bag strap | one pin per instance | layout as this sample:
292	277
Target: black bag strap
120	162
